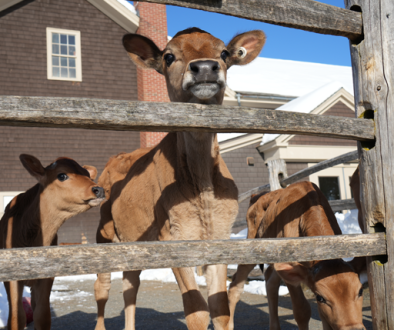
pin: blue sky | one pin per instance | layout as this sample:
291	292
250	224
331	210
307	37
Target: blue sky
282	43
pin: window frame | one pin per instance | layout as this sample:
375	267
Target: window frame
78	57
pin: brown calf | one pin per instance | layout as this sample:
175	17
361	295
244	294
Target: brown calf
64	189
302	210
180	189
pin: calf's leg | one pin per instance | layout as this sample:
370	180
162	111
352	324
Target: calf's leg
16	316
195	306
217	296
272	284
101	293
40	293
131	283
301	308
236	288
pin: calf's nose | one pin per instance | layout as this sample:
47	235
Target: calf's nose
98	191
205	70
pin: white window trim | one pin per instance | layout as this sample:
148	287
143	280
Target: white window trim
77	49
4	194
342	171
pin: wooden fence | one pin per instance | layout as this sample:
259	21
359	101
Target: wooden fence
369	25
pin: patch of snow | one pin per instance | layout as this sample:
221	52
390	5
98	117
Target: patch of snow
349	222
128	5
241	235
285	77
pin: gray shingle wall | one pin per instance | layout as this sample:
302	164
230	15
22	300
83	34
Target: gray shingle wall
248	177
107	72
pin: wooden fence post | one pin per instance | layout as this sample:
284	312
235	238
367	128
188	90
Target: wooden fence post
373	74
276	168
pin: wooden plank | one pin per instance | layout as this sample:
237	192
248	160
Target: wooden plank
373	76
152	116
249	193
343	204
348	157
307	15
277	169
30	263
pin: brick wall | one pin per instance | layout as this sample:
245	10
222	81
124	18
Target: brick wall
338	109
152	85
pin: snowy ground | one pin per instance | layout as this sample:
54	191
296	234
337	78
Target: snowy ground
348	223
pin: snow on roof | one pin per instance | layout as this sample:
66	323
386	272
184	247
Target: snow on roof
128	5
285	77
308	103
227	136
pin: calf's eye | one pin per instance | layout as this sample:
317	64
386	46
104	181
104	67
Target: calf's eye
320	299
360	293
224	55
62	177
169	58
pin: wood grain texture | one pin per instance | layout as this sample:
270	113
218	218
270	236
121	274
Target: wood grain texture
343	204
373	76
307	15
345	158
348	157
152	116
276	169
30	263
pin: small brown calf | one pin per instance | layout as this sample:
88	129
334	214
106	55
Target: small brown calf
64	189
302	210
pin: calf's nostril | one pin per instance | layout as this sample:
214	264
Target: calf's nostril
215	67
98	191
194	67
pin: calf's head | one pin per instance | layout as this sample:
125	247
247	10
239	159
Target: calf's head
66	185
336	285
194	62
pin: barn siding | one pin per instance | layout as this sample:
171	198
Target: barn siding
107	73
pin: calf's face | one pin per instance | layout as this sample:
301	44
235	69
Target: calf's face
67	185
338	291
194	62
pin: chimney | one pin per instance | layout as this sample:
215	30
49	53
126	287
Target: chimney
152	85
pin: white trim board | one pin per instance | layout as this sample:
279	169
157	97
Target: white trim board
240	142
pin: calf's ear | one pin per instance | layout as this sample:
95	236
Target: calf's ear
359	264
143	52
292	273
92	171
33	166
245	47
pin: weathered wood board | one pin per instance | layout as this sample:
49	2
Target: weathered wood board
373	76
307	15
30	263
152	116
348	157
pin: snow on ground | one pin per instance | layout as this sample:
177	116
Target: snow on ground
348	223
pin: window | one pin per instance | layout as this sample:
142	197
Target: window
64	55
5	198
329	186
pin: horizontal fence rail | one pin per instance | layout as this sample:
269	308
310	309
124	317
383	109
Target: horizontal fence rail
152	116
345	158
343	204
43	262
307	15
